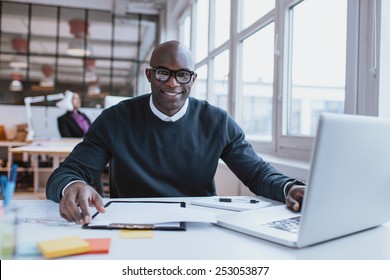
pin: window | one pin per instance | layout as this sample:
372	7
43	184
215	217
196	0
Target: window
185	30
316	70
199	90
284	63
202	29
253	10
221	22
41	36
219	89
257	83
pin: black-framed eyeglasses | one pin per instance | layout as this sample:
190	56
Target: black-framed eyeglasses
163	74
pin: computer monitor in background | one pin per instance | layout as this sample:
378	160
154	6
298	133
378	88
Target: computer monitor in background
111	100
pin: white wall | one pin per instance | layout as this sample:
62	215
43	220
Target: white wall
228	184
44	119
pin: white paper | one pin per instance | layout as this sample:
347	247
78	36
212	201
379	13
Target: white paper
239	203
151	213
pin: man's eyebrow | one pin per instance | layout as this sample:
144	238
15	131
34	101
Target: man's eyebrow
163	67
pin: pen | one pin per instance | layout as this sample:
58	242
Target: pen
3	183
238	200
131	226
8	186
8	189
13	173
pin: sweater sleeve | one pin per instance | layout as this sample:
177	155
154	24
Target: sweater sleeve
86	161
257	174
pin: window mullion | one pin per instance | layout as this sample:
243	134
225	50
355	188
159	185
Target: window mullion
352	79
234	102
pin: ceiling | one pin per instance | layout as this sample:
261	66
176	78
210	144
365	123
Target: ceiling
120	44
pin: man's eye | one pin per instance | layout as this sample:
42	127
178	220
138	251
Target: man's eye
163	72
182	74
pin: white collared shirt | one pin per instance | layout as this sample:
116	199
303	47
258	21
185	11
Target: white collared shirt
166	118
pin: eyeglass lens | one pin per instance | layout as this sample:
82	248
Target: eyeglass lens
182	76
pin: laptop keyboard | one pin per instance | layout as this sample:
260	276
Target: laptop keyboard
290	225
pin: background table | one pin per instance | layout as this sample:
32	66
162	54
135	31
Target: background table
56	149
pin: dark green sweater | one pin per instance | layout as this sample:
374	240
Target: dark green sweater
151	158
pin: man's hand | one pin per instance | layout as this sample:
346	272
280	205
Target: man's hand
74	205
295	197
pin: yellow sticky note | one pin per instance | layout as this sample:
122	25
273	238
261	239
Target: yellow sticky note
123	233
61	247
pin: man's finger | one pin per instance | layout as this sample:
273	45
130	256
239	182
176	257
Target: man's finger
84	211
292	203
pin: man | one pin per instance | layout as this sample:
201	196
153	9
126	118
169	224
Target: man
163	144
73	123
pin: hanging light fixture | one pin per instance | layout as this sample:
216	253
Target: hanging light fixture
48	79
19	44
79	45
94	87
90	73
91	77
16	84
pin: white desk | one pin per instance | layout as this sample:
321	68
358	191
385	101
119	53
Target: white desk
12	144
9	145
202	241
57	149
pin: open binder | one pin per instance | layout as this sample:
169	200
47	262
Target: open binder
139	215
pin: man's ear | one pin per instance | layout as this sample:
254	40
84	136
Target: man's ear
194	77
148	74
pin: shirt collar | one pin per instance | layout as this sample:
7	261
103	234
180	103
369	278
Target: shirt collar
166	118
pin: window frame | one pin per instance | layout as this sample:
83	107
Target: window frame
363	27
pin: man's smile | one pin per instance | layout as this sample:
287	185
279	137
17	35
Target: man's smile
171	93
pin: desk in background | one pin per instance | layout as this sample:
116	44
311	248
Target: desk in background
202	241
7	145
56	149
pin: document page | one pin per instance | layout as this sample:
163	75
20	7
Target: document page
45	212
151	213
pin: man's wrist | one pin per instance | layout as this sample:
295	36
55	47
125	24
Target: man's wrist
75	181
287	187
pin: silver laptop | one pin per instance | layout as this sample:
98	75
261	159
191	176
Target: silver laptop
349	187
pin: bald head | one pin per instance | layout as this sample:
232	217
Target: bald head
169	95
172	53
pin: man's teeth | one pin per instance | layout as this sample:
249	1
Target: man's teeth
171	93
